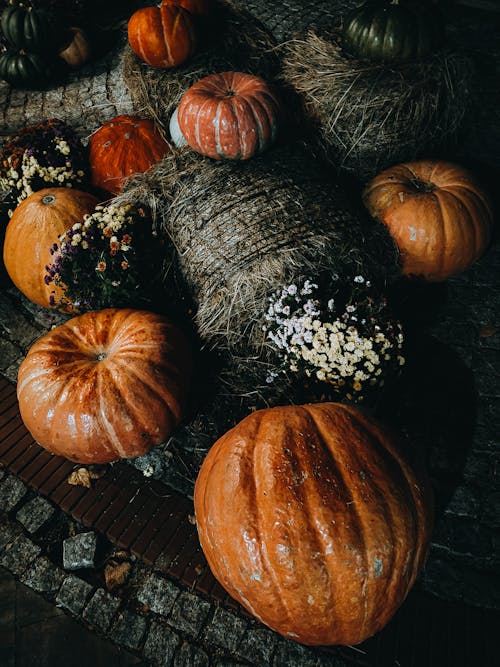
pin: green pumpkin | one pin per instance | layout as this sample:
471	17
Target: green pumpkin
393	30
26	70
29	29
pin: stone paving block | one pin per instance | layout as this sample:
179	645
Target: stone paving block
73	594
2	474
161	644
8	533
129	629
12	491
257	646
101	609
79	551
464	502
43	576
158	593
191	656
16	325
9	353
12	371
189	614
35	514
17	555
290	654
225	630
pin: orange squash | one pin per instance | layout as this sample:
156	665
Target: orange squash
123	146
162	36
231	115
437	213
33	229
313	520
106	385
77	51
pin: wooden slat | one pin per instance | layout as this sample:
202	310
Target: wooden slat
57	477
41	460
113	485
128	537
29	454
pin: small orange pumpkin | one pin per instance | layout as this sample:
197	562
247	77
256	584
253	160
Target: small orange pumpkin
33	229
123	146
162	36
328	524
437	213
231	115
106	385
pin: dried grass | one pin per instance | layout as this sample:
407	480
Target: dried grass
368	116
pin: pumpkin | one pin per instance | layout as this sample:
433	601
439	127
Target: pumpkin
29	29
78	50
162	36
230	115
313	520
200	8
175	131
25	70
106	385
123	146
437	213
397	30
33	229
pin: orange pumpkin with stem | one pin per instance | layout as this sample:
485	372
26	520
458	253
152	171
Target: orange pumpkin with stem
123	146
106	385
33	229
437	213
162	36
328	525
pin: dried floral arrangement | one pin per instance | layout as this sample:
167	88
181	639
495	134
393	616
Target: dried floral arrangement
110	259
335	332
45	154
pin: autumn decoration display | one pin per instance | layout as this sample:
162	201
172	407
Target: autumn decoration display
106	385
328	526
438	214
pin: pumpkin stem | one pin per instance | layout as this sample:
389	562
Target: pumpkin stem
48	200
422	186
101	356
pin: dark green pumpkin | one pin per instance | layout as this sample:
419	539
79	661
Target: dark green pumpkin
393	30
29	29
26	70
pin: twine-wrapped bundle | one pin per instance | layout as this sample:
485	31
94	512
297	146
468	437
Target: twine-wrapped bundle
235	41
242	230
366	115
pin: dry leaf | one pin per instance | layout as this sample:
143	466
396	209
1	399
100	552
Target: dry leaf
192	519
487	330
116	574
80	477
198	569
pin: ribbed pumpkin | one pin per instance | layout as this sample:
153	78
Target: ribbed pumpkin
162	36
313	520
26	70
106	385
393	30
231	115
33	229
29	29
437	213
123	146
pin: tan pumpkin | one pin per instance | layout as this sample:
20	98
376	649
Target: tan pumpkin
311	517
437	213
33	229
163	36
231	115
106	385
78	50
123	146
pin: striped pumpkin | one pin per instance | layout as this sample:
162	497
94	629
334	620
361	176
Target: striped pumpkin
230	115
162	36
106	385
123	146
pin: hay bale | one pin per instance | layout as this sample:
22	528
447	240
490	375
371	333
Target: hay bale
242	230
367	116
235	41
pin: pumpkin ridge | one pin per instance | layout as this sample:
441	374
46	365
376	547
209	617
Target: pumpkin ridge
166	35
261	134
255	477
113	444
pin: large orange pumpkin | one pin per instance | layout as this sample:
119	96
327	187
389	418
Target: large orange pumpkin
35	226
106	385
123	146
231	115
162	36
313	520
437	213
